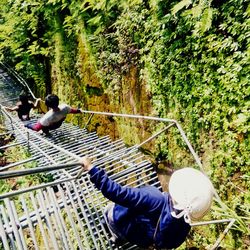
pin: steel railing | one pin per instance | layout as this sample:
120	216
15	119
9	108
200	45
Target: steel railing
56	214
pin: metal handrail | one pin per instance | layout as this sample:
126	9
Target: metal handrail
33	188
36	170
166	120
153	118
172	122
18	77
11	165
230	222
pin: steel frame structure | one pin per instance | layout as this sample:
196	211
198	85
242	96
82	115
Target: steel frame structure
67	212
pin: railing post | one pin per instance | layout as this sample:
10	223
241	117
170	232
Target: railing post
28	140
88	121
222	236
1	115
11	122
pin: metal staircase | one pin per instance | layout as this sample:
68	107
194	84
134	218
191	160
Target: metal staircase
67	212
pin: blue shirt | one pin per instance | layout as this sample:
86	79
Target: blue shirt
138	210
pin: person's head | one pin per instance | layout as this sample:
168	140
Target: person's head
23	98
52	101
192	193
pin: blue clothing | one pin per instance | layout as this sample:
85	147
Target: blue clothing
137	211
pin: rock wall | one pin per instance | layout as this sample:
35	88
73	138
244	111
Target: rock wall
81	87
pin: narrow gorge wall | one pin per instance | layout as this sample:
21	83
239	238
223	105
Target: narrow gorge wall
79	84
185	60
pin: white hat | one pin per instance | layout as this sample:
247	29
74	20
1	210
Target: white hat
191	192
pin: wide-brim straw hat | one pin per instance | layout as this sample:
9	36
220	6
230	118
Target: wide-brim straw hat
192	193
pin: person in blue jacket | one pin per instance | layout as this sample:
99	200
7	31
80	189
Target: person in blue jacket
149	218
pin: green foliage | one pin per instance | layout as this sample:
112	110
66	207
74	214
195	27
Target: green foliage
201	79
117	48
15	154
181	5
193	56
201	12
22	41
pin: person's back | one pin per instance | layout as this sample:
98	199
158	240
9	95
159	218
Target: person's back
150	227
145	216
23	107
54	118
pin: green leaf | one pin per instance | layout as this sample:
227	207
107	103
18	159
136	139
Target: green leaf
196	11
181	5
206	20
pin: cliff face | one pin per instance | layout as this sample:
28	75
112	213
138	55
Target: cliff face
80	85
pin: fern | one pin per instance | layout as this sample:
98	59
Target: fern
205	22
179	6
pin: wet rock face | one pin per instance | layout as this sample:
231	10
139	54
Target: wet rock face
80	85
132	100
89	94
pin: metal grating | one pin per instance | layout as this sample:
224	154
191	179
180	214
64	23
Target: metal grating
66	213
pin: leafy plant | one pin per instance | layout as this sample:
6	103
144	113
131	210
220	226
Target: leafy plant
191	56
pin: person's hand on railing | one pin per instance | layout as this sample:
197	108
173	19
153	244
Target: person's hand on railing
86	163
36	102
40	100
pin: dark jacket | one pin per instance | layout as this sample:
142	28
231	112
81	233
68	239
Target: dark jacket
24	109
138	210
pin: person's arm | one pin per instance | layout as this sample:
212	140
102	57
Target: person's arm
75	111
69	110
36	127
11	109
145	199
36	102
